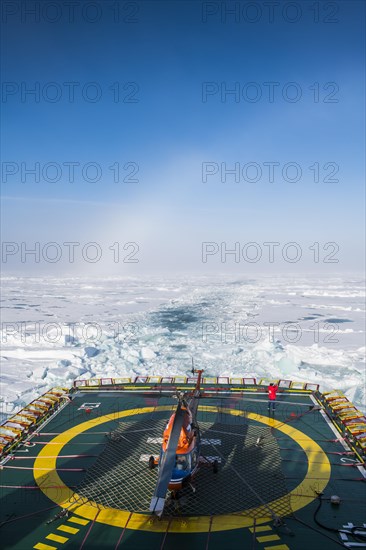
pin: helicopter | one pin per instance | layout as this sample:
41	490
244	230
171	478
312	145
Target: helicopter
180	456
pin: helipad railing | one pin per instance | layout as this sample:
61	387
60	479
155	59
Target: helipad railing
212	380
18	427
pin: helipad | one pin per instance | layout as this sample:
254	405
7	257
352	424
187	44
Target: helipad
90	459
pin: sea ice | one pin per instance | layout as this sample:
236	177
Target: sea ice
265	327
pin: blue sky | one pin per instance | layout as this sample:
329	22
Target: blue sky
168	53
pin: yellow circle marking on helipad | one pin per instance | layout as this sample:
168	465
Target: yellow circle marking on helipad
318	467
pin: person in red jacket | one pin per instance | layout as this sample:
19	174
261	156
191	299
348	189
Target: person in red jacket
272	393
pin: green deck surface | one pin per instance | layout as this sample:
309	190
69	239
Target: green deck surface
113	473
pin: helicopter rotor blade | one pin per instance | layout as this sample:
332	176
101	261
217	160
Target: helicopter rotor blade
206	395
167	463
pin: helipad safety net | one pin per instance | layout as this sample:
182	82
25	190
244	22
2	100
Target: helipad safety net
249	481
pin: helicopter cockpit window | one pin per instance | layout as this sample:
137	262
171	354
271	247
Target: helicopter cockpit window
182	462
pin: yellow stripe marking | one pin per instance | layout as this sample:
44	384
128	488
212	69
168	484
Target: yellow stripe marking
260	529
68	529
302	495
268	538
41	546
80	521
277	547
57	538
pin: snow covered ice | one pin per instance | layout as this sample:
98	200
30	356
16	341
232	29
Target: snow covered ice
56	330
